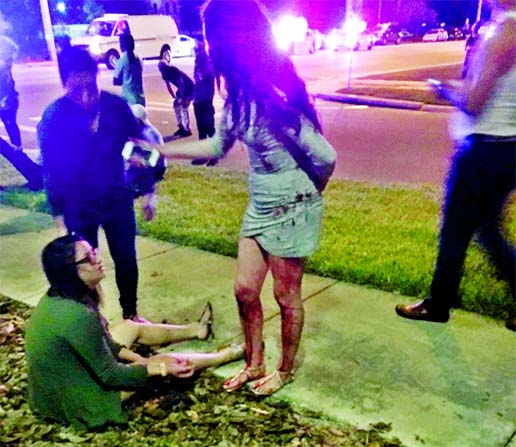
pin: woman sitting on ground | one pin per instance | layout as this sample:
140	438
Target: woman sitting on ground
77	370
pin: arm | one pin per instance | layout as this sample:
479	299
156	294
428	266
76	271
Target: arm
314	147
88	341
499	56
216	147
189	150
170	90
50	151
118	75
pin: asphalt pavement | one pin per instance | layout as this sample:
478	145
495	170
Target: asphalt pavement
451	385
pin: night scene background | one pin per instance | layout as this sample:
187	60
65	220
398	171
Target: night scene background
320	14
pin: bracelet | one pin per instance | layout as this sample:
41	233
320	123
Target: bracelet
163	369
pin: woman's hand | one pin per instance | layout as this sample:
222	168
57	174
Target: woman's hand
168	364
131	357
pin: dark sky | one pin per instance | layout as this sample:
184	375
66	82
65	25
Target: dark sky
328	13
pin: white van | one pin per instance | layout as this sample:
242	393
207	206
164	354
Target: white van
151	34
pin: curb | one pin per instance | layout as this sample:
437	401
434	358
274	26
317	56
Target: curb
383	102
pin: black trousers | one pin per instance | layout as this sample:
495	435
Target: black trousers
481	178
205	118
23	164
119	225
8	117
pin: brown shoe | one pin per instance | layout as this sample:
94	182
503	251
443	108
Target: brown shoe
420	311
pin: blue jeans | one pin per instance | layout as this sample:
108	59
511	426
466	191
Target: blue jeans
481	178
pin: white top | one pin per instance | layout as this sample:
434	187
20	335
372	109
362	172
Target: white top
499	115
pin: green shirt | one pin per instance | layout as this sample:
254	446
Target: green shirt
73	371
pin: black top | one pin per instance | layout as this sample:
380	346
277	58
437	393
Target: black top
180	79
83	169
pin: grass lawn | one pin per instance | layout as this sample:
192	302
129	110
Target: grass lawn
380	236
411	92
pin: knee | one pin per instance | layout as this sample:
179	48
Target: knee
245	292
288	295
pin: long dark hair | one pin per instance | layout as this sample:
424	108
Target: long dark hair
126	41
58	261
243	51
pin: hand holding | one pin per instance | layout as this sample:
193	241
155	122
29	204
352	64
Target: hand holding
167	364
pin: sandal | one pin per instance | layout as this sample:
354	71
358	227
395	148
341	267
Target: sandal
272	383
206	320
244	376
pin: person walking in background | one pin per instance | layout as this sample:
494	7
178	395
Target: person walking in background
204	91
8	110
79	369
129	72
268	109
81	136
482	174
183	94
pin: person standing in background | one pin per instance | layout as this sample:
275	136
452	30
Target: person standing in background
129	72
183	94
82	135
204	91
482	176
8	109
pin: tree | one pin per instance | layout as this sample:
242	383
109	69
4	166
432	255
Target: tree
23	23
92	10
415	12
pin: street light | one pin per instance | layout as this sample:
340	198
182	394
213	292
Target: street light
61	7
47	27
479	10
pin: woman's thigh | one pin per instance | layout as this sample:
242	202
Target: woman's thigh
252	264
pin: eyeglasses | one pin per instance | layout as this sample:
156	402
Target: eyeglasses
90	258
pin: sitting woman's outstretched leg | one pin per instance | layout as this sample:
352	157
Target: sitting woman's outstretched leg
128	332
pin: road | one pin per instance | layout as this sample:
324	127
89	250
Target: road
373	144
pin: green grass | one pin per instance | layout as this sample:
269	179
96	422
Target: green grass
380	236
420	93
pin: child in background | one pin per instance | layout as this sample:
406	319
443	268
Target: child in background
143	179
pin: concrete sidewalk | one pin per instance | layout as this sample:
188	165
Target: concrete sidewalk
450	385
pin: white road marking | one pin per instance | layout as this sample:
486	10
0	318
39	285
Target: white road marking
31	129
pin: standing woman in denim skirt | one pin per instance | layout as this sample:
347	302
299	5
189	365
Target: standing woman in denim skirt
267	108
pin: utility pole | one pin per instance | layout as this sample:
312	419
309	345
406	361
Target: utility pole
379	11
479	11
47	28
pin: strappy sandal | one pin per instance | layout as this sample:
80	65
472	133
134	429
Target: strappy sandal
272	383
244	376
206	319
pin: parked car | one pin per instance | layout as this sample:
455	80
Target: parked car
455	33
337	40
151	33
386	33
436	35
185	46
